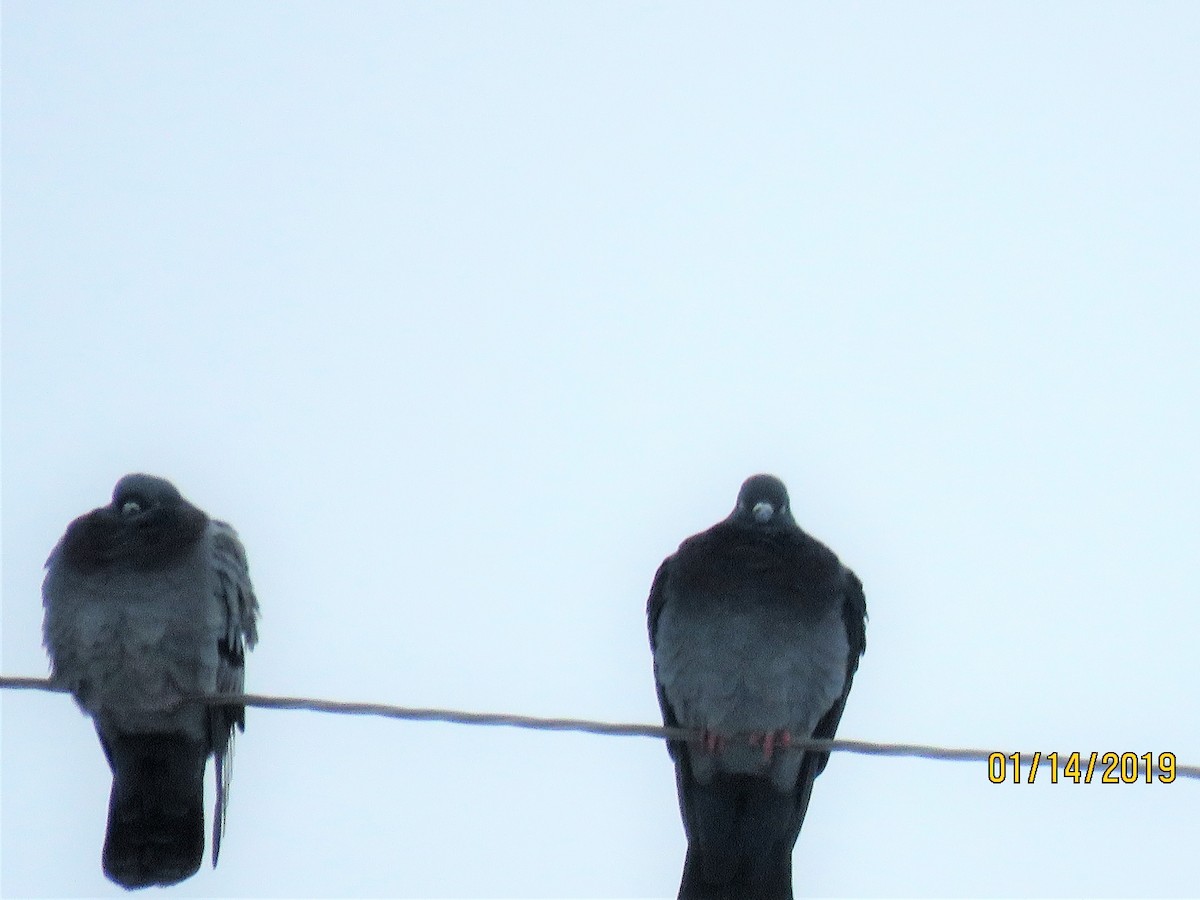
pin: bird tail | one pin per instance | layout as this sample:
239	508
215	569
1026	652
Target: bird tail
741	831
707	876
156	809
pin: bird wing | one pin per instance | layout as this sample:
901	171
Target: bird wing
654	608
235	595
854	614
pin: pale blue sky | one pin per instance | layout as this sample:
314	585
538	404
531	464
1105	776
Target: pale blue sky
465	315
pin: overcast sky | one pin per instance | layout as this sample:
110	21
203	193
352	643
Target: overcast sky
465	315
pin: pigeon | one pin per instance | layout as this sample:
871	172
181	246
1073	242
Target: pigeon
148	600
756	629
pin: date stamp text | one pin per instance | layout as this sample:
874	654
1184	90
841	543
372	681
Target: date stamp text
1104	768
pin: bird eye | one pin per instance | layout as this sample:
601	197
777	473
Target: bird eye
130	508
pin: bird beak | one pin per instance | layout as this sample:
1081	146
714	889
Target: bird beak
763	512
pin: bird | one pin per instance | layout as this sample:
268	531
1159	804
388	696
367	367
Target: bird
148	600
756	630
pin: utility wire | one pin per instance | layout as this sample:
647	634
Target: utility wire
587	726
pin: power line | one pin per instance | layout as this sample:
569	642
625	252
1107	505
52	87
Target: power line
587	726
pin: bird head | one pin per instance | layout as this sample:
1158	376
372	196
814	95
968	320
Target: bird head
762	503
137	494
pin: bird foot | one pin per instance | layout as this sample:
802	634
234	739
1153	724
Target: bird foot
771	741
714	741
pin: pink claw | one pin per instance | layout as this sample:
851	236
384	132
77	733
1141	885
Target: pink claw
714	742
770	740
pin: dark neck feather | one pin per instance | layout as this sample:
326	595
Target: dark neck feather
104	539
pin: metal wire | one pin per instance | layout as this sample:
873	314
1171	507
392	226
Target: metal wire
588	726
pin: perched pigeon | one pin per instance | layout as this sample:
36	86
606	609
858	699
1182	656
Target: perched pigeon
148	599
756	630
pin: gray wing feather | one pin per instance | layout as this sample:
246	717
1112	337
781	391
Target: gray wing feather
235	589
236	594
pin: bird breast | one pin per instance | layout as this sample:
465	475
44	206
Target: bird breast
733	667
130	643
